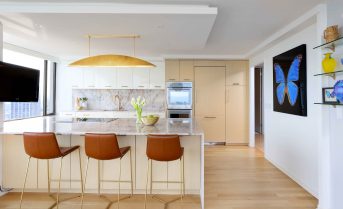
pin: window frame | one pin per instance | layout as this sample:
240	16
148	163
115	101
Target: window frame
45	94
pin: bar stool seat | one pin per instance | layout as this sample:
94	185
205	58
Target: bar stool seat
44	146
105	147
164	148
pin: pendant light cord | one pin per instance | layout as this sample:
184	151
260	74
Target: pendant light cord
134	46
89	45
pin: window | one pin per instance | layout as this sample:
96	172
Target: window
46	101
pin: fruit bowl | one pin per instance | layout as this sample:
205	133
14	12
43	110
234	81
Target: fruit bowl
150	120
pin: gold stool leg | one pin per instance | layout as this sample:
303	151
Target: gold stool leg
146	185
119	182
48	169
84	183
181	179
22	191
150	176
99	177
59	184
183	175
81	176
131	174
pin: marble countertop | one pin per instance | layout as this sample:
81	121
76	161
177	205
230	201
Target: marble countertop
62	125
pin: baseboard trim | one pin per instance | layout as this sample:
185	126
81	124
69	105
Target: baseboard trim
300	183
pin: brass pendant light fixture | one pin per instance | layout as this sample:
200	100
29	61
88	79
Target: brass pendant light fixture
112	60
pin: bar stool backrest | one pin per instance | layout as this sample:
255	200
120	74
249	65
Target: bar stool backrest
41	145
164	147
102	146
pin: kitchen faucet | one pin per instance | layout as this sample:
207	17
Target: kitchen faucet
116	97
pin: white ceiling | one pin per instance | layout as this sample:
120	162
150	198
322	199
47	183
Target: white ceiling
194	29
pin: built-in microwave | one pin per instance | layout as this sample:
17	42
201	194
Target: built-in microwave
179	95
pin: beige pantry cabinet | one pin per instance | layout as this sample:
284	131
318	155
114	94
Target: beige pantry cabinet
236	104
236	72
179	70
210	102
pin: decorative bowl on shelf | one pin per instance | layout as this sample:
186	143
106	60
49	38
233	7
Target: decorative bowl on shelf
150	120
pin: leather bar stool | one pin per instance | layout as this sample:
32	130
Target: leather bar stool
164	148
105	147
44	146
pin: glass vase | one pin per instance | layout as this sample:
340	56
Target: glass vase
139	116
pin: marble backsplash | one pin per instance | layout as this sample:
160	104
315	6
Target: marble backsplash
108	99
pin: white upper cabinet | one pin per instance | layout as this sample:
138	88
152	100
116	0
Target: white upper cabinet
118	78
124	78
157	76
76	75
140	78
106	78
89	78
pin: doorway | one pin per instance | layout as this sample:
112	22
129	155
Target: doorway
259	139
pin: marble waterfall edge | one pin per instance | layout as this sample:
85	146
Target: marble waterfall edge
107	99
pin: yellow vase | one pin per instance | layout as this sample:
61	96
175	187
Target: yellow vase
329	63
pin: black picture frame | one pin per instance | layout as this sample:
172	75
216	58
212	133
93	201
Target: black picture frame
324	96
285	61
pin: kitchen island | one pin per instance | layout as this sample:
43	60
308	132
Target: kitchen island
70	132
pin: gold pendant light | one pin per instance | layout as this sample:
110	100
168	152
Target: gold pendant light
112	60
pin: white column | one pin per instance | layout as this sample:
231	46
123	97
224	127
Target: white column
1	108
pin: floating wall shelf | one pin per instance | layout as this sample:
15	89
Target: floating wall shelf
333	104
331	45
332	75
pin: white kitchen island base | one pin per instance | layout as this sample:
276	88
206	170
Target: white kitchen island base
14	160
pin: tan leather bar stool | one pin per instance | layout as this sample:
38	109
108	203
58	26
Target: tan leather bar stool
105	147
164	148
44	146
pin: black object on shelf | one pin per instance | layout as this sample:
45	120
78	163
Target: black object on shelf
332	44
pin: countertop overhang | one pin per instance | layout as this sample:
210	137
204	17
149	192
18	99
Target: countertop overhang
60	125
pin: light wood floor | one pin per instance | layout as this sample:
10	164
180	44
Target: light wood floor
240	178
235	178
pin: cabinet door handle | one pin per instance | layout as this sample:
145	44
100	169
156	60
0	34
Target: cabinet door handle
235	84
210	117
158	86
171	79
141	86
124	86
186	79
91	86
108	86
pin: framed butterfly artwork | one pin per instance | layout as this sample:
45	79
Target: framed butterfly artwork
289	85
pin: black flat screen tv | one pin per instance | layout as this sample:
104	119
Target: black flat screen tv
18	83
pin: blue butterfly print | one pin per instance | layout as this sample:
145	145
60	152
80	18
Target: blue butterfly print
288	86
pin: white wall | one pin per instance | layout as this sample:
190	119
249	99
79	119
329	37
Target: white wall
291	142
63	87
